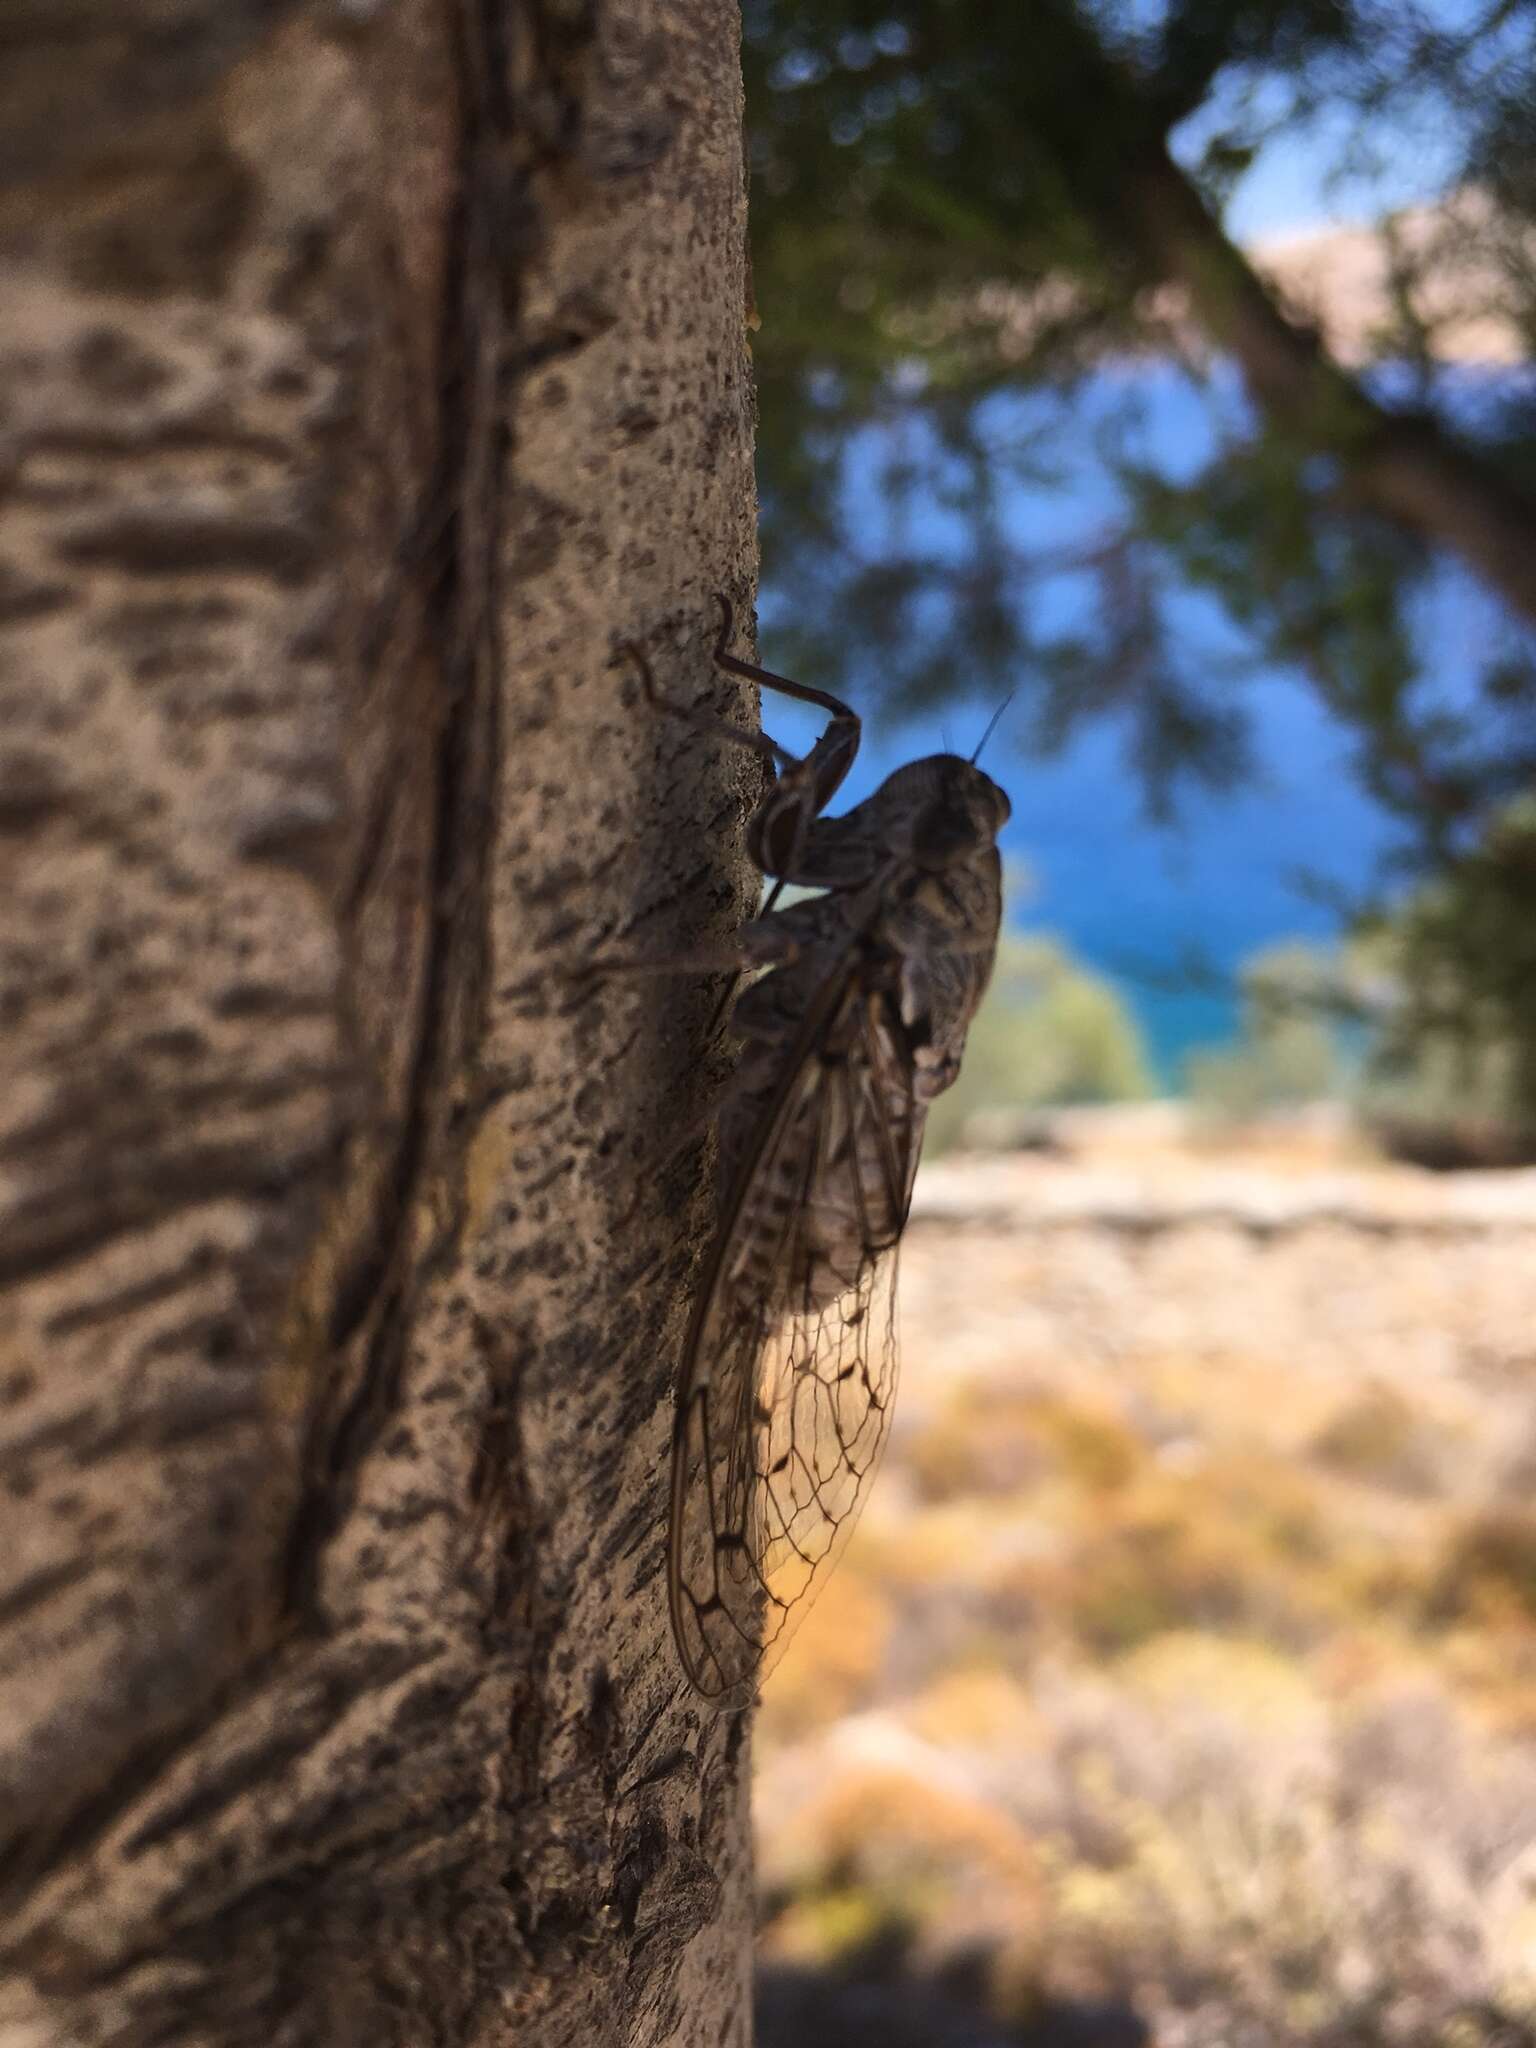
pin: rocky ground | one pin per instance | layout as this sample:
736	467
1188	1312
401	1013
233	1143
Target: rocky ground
1180	1681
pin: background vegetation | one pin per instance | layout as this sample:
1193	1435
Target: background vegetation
974	228
1180	1684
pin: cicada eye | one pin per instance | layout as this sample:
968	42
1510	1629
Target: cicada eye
942	834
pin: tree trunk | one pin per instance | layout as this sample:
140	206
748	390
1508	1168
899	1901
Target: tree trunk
370	370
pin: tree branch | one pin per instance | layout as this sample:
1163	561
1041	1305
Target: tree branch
1408	468
1150	214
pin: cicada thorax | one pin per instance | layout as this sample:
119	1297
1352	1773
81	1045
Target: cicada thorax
909	957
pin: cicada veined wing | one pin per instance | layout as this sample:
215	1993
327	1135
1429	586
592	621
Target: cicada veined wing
789	1372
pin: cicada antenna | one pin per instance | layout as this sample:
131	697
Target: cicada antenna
992	725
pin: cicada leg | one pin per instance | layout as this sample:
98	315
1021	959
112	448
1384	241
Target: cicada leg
777	831
804	784
706	721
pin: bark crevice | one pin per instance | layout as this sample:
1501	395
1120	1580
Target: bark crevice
459	632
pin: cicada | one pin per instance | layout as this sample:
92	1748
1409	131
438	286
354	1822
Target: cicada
854	1021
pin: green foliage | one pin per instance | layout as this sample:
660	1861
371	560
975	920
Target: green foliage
956	267
1289	1052
943	203
1422	1021
1455	992
1049	1033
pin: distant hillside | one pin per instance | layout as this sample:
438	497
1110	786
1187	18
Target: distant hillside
1342	280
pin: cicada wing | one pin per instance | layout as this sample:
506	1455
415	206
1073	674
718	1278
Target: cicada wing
785	1399
712	1587
834	1387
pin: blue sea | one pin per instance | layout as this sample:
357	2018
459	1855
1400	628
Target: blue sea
1168	911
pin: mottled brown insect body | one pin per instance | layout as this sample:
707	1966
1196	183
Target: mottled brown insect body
906	957
856	1023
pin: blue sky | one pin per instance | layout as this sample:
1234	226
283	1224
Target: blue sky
1294	184
1297	181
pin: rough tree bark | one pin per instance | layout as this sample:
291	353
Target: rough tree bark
370	367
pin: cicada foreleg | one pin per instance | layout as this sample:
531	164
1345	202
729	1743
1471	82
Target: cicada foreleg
778	829
803	785
706	721
801	788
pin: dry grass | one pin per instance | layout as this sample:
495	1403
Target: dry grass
1185	1666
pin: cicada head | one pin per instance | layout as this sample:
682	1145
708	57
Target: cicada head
943	812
